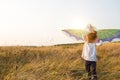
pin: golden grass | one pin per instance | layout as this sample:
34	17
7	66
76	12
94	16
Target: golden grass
57	62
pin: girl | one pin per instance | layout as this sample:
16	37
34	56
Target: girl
89	54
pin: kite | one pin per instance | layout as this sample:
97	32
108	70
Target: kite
103	34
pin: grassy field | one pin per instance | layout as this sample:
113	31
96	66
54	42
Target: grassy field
61	62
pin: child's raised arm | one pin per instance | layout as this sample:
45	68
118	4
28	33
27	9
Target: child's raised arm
84	37
99	43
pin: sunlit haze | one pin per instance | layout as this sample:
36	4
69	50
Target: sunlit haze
39	22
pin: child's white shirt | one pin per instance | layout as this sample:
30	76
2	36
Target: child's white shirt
89	52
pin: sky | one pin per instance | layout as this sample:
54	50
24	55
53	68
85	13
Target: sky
39	22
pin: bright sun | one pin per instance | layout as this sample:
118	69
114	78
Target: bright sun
79	23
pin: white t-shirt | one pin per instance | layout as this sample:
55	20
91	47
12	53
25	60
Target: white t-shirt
89	52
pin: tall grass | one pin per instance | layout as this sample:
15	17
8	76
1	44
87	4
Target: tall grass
61	62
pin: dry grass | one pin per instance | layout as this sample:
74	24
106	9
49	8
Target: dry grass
56	62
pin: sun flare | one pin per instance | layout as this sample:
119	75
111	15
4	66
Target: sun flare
79	23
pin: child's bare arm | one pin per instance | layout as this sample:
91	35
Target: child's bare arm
84	37
99	43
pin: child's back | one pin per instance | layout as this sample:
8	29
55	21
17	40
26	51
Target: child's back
89	54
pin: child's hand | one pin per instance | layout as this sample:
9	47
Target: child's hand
90	28
99	43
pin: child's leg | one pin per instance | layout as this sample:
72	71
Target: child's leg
87	67
93	70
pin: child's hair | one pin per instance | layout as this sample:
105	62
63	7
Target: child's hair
94	31
91	37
